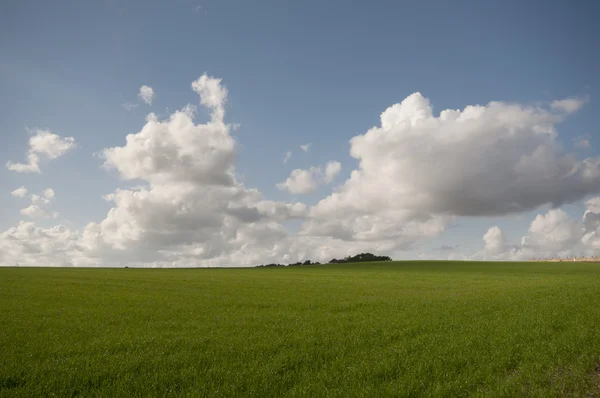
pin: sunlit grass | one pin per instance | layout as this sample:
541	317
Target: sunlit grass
400	328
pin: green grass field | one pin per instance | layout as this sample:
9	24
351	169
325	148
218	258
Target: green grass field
378	329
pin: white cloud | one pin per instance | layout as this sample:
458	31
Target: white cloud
146	94
593	204
43	143
287	157
482	161
49	193
332	169
568	105
301	181
550	235
306	147
191	209
19	192
34	211
494	240
50	145
39	203
306	181
39	200
212	95
32	165
553	232
591	226
29	245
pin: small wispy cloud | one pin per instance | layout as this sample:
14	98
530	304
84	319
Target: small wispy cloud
44	143
582	142
39	203
306	181
446	248
19	192
146	94
306	147
128	106
569	105
287	157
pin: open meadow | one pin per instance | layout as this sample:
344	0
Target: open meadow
370	329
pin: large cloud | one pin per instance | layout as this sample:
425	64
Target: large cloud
176	151
45	144
553	232
482	161
192	208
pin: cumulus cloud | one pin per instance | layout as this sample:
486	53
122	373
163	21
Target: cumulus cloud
487	160
50	145
34	211
45	144
39	203
332	169
287	157
495	246
550	235
306	181
188	210
146	94
19	192
212	94
39	200
29	245
190	207
591	226
553	232
49	193
306	147
301	181
32	165
176	151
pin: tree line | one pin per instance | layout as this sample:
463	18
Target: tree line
362	257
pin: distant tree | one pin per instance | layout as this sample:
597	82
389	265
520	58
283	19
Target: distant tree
362	257
271	265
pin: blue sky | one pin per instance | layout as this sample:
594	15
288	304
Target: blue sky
296	73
